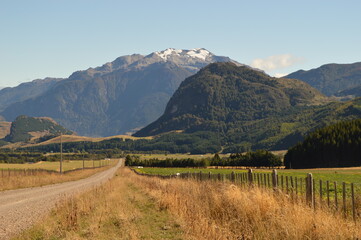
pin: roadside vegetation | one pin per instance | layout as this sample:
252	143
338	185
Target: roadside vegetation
119	209
54	166
137	207
23	178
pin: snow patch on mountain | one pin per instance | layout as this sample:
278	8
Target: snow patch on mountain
200	53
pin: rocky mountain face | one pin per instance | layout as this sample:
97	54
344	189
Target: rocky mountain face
350	92
248	109
25	91
119	96
24	129
331	79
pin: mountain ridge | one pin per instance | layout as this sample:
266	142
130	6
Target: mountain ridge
115	98
248	109
331	78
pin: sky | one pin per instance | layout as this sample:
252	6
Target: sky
54	38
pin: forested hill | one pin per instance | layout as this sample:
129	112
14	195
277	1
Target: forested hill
25	128
248	109
222	96
331	79
338	145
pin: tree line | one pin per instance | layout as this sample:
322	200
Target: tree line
259	158
337	145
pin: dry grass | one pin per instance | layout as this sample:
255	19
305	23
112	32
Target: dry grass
131	207
55	166
224	211
75	138
116	210
70	138
43	178
4	129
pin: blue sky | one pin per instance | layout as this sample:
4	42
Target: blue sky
53	38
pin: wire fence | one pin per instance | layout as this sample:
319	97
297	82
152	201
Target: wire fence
342	198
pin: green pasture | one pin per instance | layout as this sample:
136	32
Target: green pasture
348	175
339	175
177	156
67	165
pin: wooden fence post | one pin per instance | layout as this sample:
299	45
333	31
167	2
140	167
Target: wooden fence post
320	193
336	202
274	179
250	176
233	177
314	193
344	199
353	202
309	190
265	180
328	192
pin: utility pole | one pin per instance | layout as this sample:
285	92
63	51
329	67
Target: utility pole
61	153
83	158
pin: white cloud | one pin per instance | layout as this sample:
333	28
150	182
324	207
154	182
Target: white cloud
275	62
279	75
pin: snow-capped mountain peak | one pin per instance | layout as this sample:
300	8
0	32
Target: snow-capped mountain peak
200	53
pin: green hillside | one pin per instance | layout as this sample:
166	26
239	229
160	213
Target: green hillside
337	145
24	128
248	109
331	79
231	108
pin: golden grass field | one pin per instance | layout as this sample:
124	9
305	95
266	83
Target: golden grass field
21	180
4	129
75	138
69	138
137	207
67	165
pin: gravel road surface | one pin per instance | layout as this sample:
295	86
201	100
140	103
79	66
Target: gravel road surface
21	208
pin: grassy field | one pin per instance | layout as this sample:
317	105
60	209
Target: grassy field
348	175
119	209
193	156
339	175
137	207
67	165
19	180
176	156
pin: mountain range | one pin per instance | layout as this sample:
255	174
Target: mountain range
116	98
248	109
231	105
332	79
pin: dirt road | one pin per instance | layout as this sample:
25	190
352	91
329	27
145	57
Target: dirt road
19	209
